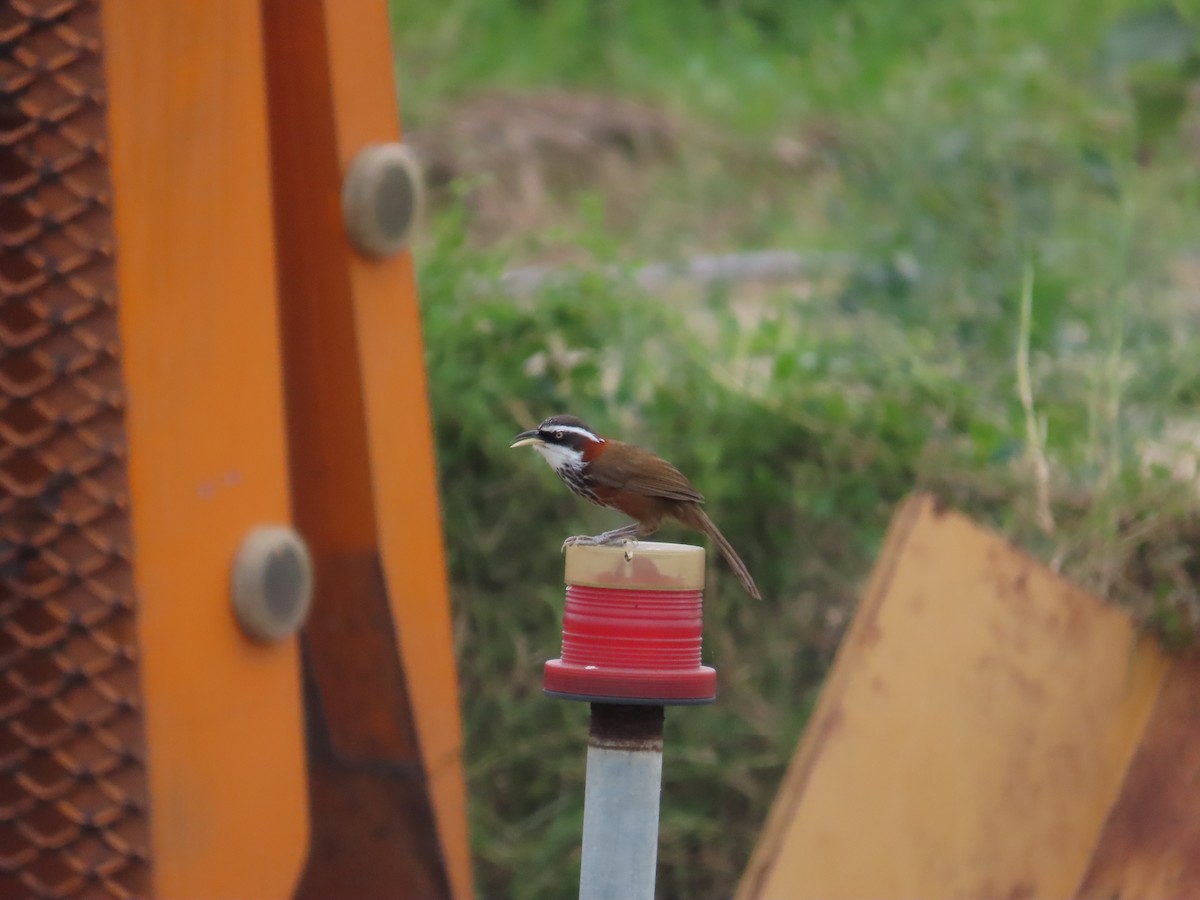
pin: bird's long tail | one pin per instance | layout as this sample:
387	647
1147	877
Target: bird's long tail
704	523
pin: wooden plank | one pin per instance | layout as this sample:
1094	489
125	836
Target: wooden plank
972	735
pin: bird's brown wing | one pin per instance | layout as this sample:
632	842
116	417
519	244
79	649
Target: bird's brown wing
643	472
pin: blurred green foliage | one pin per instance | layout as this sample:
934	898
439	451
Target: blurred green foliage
1153	53
948	148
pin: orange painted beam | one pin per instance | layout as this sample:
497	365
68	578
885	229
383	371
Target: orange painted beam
384	708
207	455
403	466
972	735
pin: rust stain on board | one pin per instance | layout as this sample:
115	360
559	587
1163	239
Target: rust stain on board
1150	845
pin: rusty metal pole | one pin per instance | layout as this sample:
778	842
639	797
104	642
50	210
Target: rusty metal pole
632	630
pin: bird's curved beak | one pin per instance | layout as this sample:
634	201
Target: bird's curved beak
526	439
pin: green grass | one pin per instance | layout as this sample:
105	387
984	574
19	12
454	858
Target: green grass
948	151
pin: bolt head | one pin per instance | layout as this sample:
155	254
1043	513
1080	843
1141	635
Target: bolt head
272	583
382	195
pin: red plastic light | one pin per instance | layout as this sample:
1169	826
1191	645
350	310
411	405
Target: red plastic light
631	646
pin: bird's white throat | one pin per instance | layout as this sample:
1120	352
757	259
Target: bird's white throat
560	458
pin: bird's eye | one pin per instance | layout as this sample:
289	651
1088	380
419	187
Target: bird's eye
558	435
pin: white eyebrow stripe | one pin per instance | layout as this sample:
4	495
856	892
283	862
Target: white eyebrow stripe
575	429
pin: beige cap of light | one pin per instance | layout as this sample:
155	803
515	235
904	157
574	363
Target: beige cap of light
645	565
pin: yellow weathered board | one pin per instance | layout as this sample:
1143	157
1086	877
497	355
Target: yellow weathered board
972	736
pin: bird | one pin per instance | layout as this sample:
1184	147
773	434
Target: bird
628	478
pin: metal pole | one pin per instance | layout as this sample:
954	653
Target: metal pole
621	798
632	627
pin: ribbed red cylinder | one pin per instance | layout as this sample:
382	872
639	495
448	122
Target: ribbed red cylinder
631	645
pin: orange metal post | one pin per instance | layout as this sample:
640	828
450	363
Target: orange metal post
150	304
388	795
207	456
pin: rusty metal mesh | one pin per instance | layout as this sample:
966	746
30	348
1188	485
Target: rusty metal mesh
72	768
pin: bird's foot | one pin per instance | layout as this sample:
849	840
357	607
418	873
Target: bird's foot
581	540
625	535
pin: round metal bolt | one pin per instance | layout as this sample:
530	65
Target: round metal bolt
272	583
381	197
